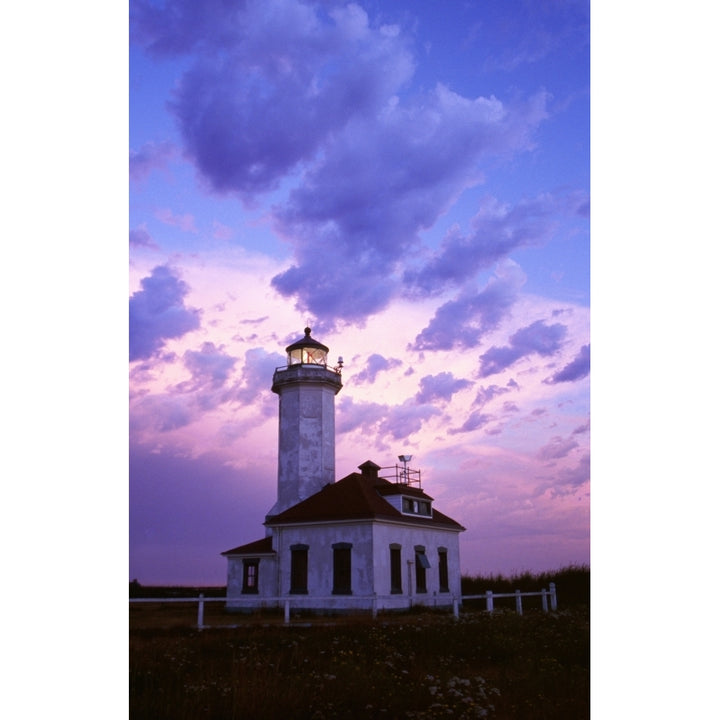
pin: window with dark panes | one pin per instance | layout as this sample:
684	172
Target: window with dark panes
421	566
298	568
443	570
395	569
342	569
250	576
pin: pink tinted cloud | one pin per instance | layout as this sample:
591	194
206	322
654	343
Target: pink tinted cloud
185	222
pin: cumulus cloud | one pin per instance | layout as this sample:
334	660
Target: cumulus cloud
536	339
151	156
401	421
566	480
210	366
185	222
140	237
440	387
376	363
576	369
558	447
408	165
280	89
158	313
582	429
396	422
162	413
486	394
272	81
462	322
258	369
496	231
475	420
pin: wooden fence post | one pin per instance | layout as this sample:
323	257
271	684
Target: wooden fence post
553	597
374	606
201	611
287	611
518	602
456	610
488	600
544	600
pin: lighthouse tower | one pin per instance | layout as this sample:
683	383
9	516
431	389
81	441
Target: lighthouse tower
306	387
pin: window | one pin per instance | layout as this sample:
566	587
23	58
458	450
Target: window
342	579
443	570
395	569
421	565
250	576
416	507
298	568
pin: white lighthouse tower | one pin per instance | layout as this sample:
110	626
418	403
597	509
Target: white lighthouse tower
306	440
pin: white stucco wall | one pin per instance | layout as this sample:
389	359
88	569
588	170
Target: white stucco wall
370	567
306	432
320	539
267	583
408	537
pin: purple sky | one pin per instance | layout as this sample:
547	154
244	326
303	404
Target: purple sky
411	179
474	262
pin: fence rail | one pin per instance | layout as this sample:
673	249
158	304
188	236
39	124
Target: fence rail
549	597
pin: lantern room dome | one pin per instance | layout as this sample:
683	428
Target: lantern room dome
307	350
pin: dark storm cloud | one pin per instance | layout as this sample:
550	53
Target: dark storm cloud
375	364
496	231
158	313
463	322
440	387
576	369
536	339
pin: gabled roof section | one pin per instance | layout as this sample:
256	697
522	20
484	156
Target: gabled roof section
258	547
357	497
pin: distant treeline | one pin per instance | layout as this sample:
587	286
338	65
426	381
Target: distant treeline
174	591
572	584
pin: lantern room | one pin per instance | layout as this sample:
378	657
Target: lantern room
307	351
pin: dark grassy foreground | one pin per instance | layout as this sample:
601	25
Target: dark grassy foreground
420	665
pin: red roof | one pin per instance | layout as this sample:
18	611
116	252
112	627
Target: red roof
358	497
258	547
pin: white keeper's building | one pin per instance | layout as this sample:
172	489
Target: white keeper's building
365	542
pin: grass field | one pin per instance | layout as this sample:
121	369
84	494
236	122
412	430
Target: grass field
415	665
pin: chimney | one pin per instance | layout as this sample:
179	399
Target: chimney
369	469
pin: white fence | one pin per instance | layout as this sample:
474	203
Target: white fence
549	598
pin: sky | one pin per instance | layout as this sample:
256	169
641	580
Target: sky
412	181
202	423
